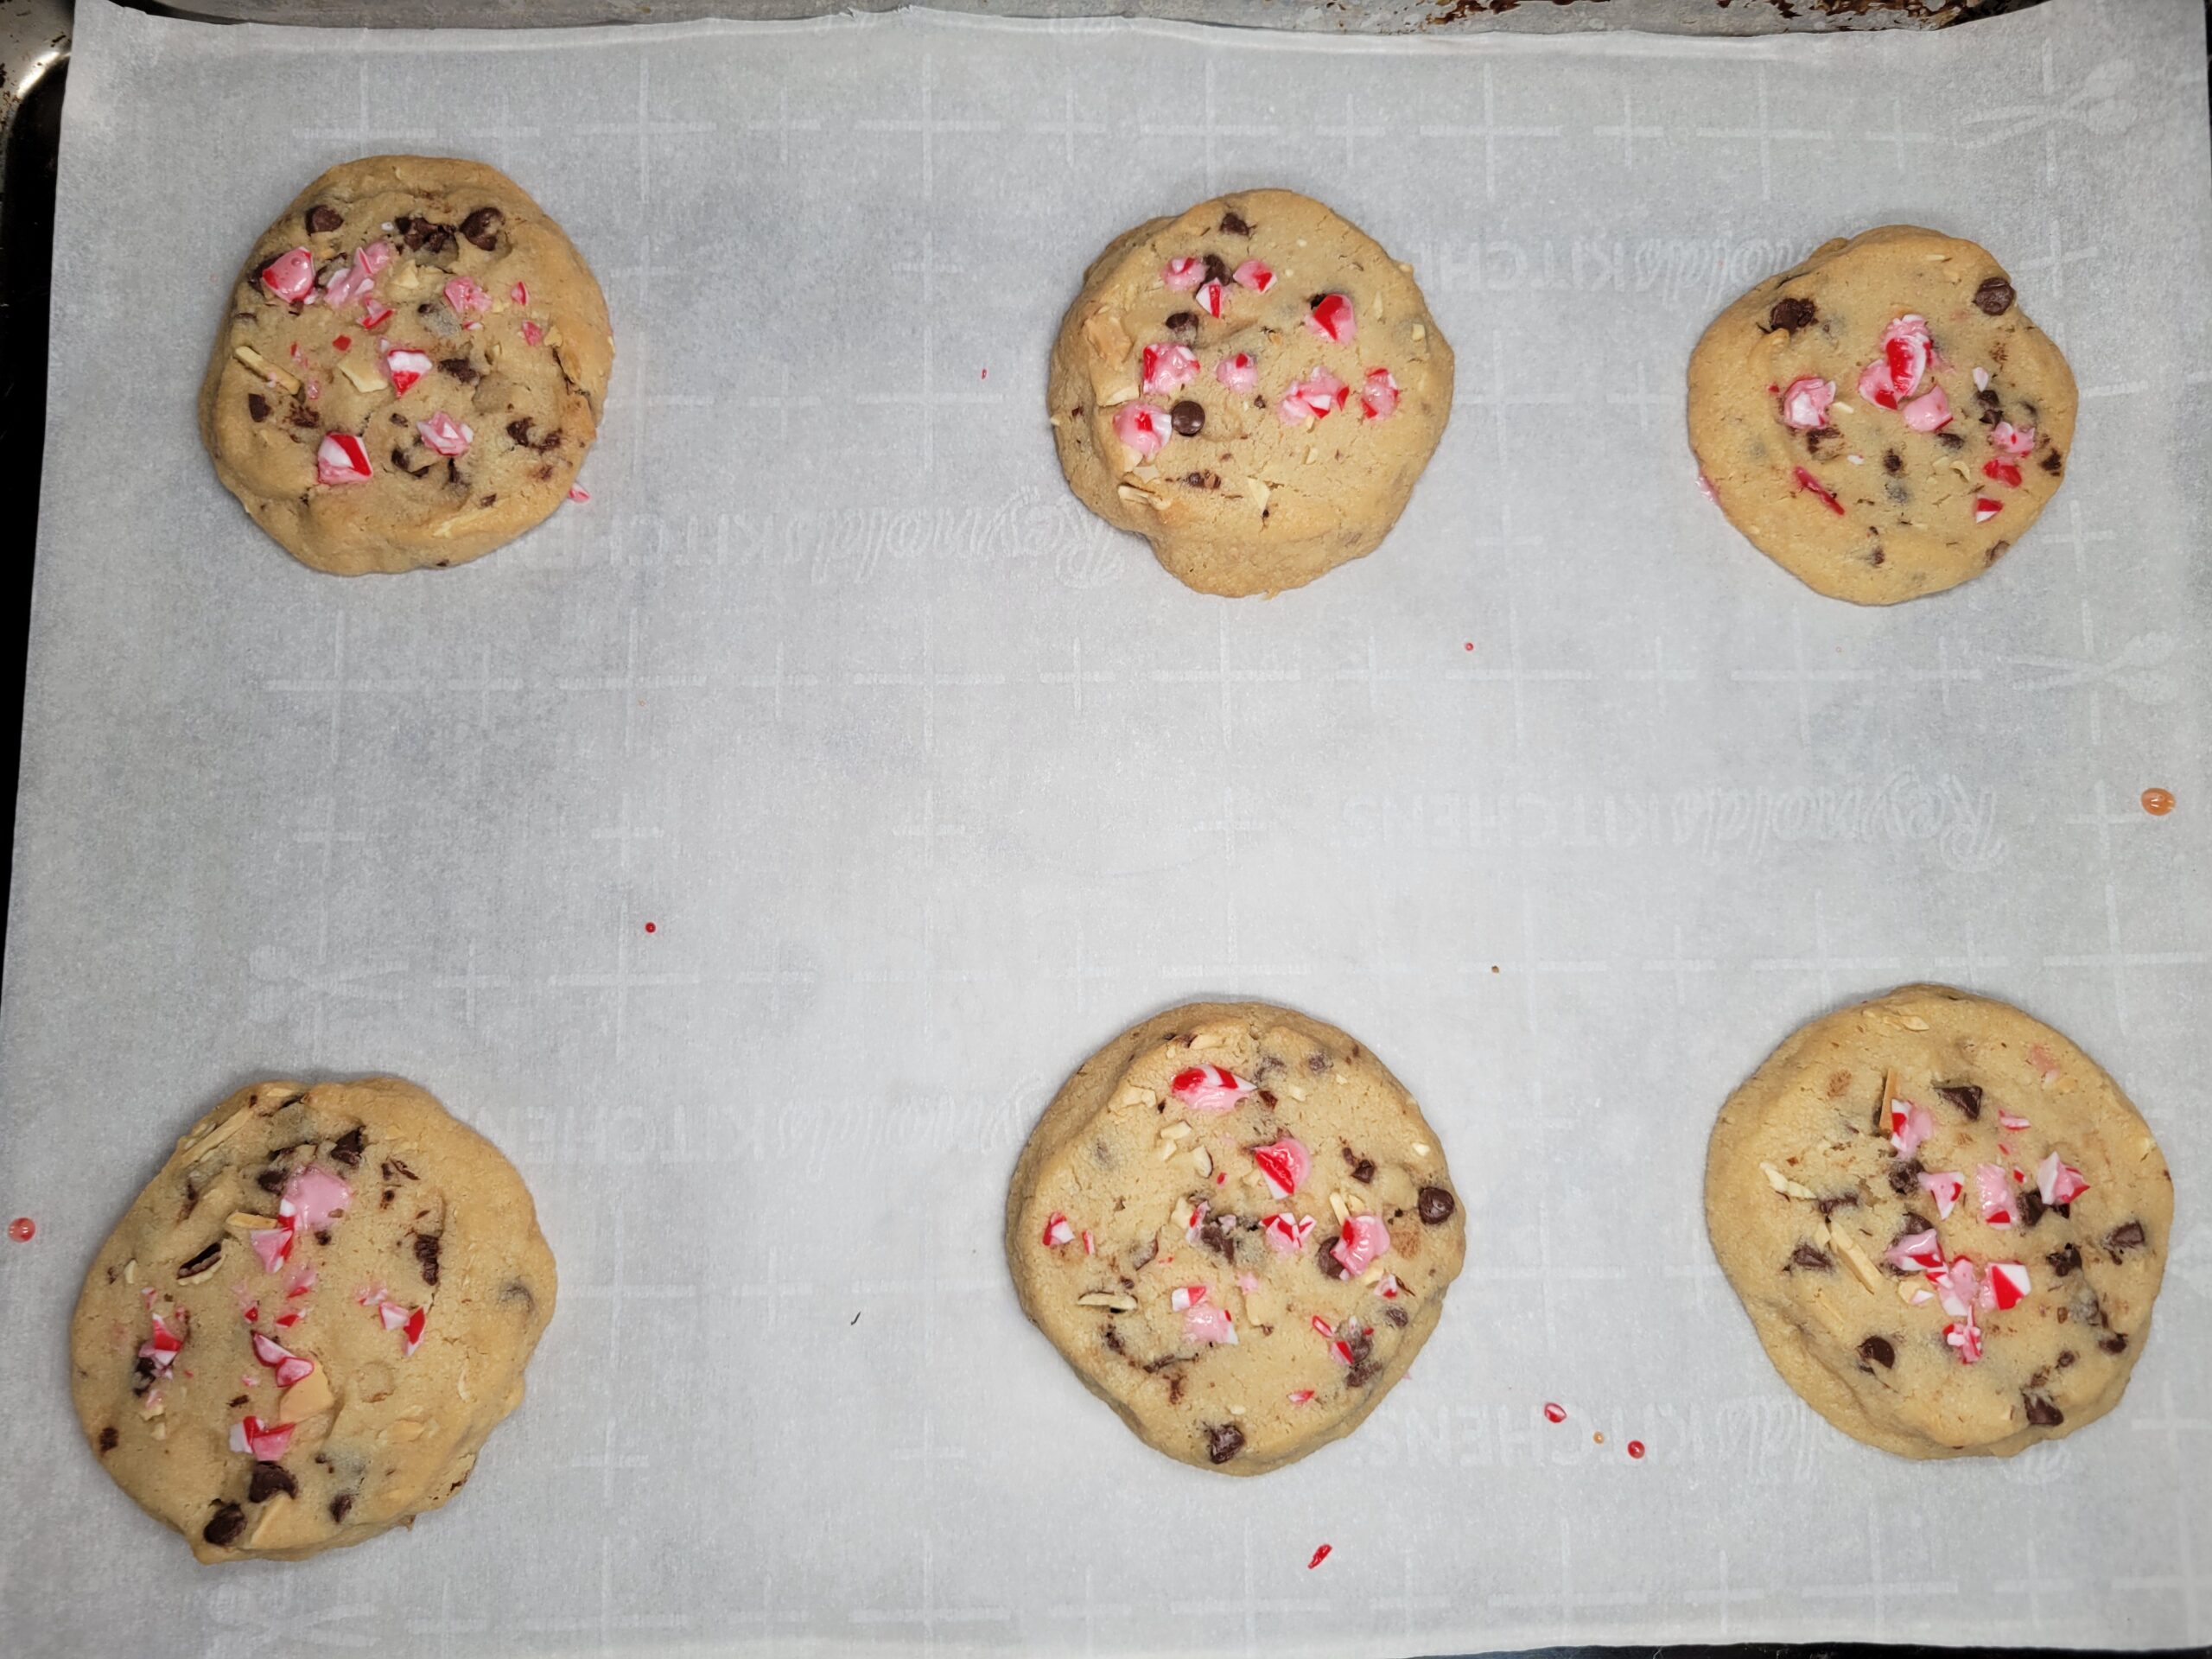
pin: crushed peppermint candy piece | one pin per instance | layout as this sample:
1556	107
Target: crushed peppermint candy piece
1984	509
302	1282
578	493
1946	1186
2059	1182
1981	379
1299	1396
1996	1208
1323	1327
1237	372
289	1368
1331	318
404	365
1254	275
268	1442
392	1314
1897	376
1929	412
1169	368
2008	1283
1284	1165
1965	1337
1705	488
164	1344
444	435
1059	1231
519	293
2010	439
1209	298
1210	1325
1141	428
1209	1088
274	1244
1957	1286
1185	274
1388	1287
1805	402
1909	1125
1805	481
1090	1245
1340	1350
1287	1235
1318	395
2005	472
2013	1121
313	1198
374	257
532	334
290	276
1183	1298
464	294
375	314
1365	1238
1378	398
1916	1251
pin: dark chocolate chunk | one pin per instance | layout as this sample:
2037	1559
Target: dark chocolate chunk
2030	1206
142	1374
426	1256
224	1526
1175	1388
1878	1349
1188	418
1793	313
1994	296
1905	1176
2128	1236
238	1400
1331	1268
2065	1261
1182	322
322	218
1950	441
302	417
1317	1064
2114	1343
1267	1095
268	1480
2041	1412
2065	1357
1217	269
1989	399
200	1263
1232	224
516	1291
1223	1441
1437	1205
340	1505
1812	1257
392	1166
1397	1316
2051	462
1112	1338
1218	1234
1361	1169
257	405
482	227
420	233
347	1148
459	367
1892	461
108	1437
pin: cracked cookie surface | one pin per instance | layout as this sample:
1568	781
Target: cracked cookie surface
303	1329
410	369
1883	421
1238	1227
1254	387
1946	1222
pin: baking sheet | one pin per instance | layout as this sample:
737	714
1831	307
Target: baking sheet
1567	802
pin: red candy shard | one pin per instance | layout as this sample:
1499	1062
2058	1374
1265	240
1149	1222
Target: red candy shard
1208	1087
1996	1208
1285	1234
1319	1556
1805	402
1059	1231
21	1228
1805	481
1365	1238
1636	1448
1984	509
2011	440
444	435
274	1244
1169	367
1946	1186
164	1344
1324	1326
1916	1251
1965	1338
1284	1165
344	342
2059	1182
1210	1325
1319	395
578	493
519	293
1909	1124
1209	297
313	1198
1299	1396
267	1442
1237	372
1554	1412
464	294
416	1322
1254	275
1378	399
375	314
2008	1283
1956	1287
1141	428
1185	274
290	277
532	334
1331	318
404	365
1185	1297
2005	472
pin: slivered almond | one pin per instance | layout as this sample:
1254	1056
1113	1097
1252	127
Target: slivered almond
1111	1299
1781	1184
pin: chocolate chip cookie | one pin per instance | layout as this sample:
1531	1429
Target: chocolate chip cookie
1883	421
1252	386
1238	1227
1946	1222
411	370
303	1329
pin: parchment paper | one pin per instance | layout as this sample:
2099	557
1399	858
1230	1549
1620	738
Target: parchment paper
1567	802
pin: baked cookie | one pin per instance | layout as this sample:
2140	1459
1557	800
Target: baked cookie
1882	422
1253	387
1238	1228
411	368
302	1330
1947	1223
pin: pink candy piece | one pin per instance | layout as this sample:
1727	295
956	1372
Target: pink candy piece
1059	1231
1984	509
1331	318
2011	1121
1705	488
1378	398
314	1197
374	257
1169	368
519	293
1185	274
274	1244
266	1441
163	1346
1365	1238
1905	348
1238	373
1946	1186
375	314
346	284
1210	1325
1955	1288
289	1368
1299	1396
1248	1283
578	493
1254	275
1805	481
392	1314
290	277
444	435
1996	1208
1287	1235
1805	402
2008	1283
1388	1287
1965	1336
1929	412
1909	1125
1284	1165
1916	1251
2010	439
1341	1352
1209	1088
1185	1297
464	295
1323	1327
1209	298
413	1330
302	1282
2059	1182
532	334
404	365
1089	1247
1141	428
1318	396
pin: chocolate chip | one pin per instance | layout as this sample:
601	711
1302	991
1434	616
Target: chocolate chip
1892	461
1966	1097
2066	1260
268	1480
461	368
2065	1357
482	227
257	405
142	1374
1361	1169
2030	1206
1950	441
322	1236
1397	1316
1331	1268
1182	322
1267	1095
322	218
239	1400
426	1256
420	233
340	1505
1188	418
1812	1257
518	429
206	1258
2041	1412
2115	1344
224	1526
1317	1064
1218	1234
1792	313
1841	1201
1112	1338
2128	1236
1232	224
302	417
347	1148
1437	1205
1175	1388
1362	1374
1877	1349
2051	462
1904	1177
1217	269
108	1437
1994	296
1989	399
1223	1441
